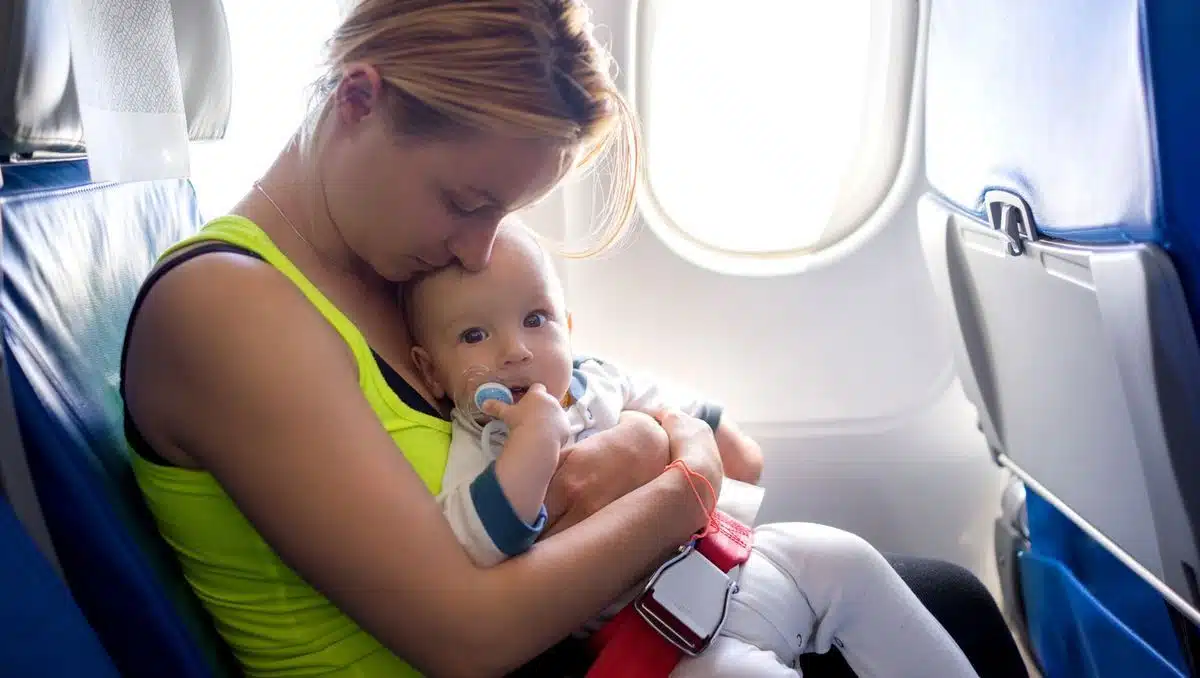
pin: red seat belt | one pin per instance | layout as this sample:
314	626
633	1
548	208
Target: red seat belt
628	647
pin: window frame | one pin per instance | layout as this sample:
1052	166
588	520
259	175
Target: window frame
889	136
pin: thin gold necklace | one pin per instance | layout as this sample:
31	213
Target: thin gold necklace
320	257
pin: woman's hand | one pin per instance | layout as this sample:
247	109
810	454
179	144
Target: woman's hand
692	442
601	468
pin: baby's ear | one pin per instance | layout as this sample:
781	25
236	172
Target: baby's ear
424	363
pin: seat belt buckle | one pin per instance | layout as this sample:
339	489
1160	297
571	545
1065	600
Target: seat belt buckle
687	600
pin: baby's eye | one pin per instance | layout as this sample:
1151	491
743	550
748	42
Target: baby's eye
472	336
535	319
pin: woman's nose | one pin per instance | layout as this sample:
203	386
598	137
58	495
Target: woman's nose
473	246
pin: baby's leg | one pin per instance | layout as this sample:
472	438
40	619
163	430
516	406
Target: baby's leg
729	657
808	587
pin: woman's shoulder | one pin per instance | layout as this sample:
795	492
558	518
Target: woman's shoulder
214	329
228	269
226	307
229	282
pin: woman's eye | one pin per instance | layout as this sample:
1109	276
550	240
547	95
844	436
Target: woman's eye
455	207
535	319
472	336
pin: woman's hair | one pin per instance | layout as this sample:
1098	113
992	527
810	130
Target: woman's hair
530	68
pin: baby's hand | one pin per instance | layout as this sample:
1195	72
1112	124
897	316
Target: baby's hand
536	417
537	430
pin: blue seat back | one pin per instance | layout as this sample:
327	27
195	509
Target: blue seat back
42	632
1085	108
72	262
72	256
41	175
1060	150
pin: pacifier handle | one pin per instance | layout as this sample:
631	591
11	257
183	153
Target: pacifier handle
492	391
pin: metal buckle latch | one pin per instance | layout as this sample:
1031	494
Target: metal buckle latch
687	600
1009	214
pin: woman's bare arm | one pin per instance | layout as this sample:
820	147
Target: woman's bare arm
261	391
595	471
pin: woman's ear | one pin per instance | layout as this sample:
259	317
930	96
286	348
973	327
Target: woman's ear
424	363
359	93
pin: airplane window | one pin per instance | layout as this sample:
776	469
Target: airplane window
272	69
770	129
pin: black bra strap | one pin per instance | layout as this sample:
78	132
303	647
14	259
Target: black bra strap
132	434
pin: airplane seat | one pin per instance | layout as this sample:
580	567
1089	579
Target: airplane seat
28	175
1060	151
43	634
73	254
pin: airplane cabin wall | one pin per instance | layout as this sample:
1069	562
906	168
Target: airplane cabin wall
843	373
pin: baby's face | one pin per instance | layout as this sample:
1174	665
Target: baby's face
506	323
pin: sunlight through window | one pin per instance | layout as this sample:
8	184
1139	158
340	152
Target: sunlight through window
277	47
753	115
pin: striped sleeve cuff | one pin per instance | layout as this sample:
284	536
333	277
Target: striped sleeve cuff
507	531
710	413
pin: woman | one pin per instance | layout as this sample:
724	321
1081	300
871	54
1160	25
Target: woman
263	356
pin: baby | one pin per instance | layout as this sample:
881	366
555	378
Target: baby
804	588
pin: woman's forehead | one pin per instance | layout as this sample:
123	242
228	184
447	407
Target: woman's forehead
518	265
511	173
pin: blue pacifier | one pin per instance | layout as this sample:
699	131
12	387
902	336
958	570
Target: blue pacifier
492	391
483	393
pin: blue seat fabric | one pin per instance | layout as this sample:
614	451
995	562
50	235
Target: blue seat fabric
42	632
73	259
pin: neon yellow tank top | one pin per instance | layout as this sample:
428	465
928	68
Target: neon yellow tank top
277	625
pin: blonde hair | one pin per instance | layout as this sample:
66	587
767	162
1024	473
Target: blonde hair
530	68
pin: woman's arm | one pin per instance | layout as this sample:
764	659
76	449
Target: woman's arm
595	471
614	462
740	455
259	390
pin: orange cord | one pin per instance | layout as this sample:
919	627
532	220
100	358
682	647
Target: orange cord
689	473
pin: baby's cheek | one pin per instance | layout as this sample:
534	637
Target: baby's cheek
462	376
455	389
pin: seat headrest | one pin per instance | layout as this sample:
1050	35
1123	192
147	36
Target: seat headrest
39	108
1086	108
